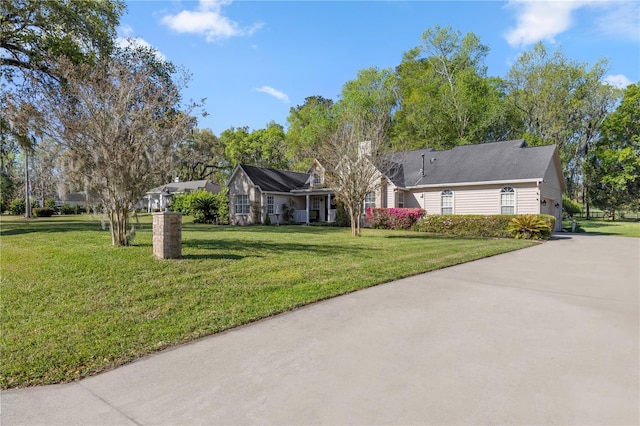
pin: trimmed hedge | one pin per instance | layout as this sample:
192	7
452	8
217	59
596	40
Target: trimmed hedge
491	226
43	212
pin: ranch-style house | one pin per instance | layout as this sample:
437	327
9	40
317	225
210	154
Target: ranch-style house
505	177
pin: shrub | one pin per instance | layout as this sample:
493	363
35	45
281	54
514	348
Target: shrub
222	205
393	218
529	227
181	203
204	206
7	188
288	211
17	206
67	208
491	226
465	225
43	212
570	207
342	217
50	203
267	219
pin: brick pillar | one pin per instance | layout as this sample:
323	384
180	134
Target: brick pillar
167	235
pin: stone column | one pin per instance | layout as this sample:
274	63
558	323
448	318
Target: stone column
167	235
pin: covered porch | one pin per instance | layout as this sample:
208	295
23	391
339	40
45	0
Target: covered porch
315	205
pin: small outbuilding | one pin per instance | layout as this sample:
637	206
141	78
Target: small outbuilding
158	198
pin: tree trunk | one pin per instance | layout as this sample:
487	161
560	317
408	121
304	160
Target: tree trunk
585	201
352	218
118	222
354	214
27	197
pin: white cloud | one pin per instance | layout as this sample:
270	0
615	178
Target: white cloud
125	39
540	20
621	19
544	20
619	80
275	93
207	19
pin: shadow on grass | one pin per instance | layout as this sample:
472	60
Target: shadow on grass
273	229
48	225
430	236
222	256
236	250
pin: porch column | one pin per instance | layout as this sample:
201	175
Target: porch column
307	198
329	207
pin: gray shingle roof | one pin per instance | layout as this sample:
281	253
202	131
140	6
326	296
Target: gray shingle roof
273	180
496	161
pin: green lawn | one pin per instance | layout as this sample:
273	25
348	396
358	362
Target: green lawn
73	305
607	227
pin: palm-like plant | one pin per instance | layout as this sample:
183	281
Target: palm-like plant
529	227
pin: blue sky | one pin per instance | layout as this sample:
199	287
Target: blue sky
254	60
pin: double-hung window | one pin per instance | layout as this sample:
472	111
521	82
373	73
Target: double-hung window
270	204
370	201
400	199
507	200
446	202
242	204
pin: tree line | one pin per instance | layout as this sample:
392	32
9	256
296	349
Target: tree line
440	96
81	112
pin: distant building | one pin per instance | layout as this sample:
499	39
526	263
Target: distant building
156	198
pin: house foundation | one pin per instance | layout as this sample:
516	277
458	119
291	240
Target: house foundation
167	235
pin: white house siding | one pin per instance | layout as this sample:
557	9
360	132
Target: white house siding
413	200
550	188
390	196
551	192
278	201
477	199
527	199
431	200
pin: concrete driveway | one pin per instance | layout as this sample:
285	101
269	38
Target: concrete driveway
545	335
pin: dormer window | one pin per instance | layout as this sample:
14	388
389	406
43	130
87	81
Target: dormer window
317	179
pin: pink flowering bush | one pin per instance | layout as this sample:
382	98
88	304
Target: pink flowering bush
393	218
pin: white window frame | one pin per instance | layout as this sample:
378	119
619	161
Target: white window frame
370	201
507	200
241	204
446	202
270	204
317	179
316	203
400	199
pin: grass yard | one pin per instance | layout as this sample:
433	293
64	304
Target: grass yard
607	227
72	305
